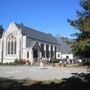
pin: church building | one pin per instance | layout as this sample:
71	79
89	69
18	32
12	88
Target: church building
23	43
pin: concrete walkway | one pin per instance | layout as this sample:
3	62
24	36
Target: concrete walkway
38	73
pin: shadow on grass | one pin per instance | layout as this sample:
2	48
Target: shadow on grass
76	82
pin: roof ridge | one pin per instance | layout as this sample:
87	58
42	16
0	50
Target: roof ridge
33	33
22	25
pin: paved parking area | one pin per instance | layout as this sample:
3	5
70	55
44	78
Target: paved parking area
38	73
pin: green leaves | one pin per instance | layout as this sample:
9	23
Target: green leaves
81	47
82	23
85	4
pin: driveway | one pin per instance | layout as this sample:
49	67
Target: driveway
38	73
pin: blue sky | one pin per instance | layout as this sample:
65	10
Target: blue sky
49	16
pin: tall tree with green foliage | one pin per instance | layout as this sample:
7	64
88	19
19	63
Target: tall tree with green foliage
1	31
81	46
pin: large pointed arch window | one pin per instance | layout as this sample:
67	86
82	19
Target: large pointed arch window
15	43
11	44
8	47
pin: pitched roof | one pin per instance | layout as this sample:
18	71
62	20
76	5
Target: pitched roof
37	35
64	47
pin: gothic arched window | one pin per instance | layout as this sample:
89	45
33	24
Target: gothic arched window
12	47
8	47
11	44
15	43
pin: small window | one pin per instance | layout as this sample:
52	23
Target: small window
27	54
58	55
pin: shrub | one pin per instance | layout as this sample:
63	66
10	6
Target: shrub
17	61
87	61
22	61
1	63
54	60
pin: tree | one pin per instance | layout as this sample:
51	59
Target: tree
1	31
81	45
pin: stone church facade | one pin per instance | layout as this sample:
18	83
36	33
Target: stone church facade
24	43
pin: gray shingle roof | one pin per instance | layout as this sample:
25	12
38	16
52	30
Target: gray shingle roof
37	35
64	47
